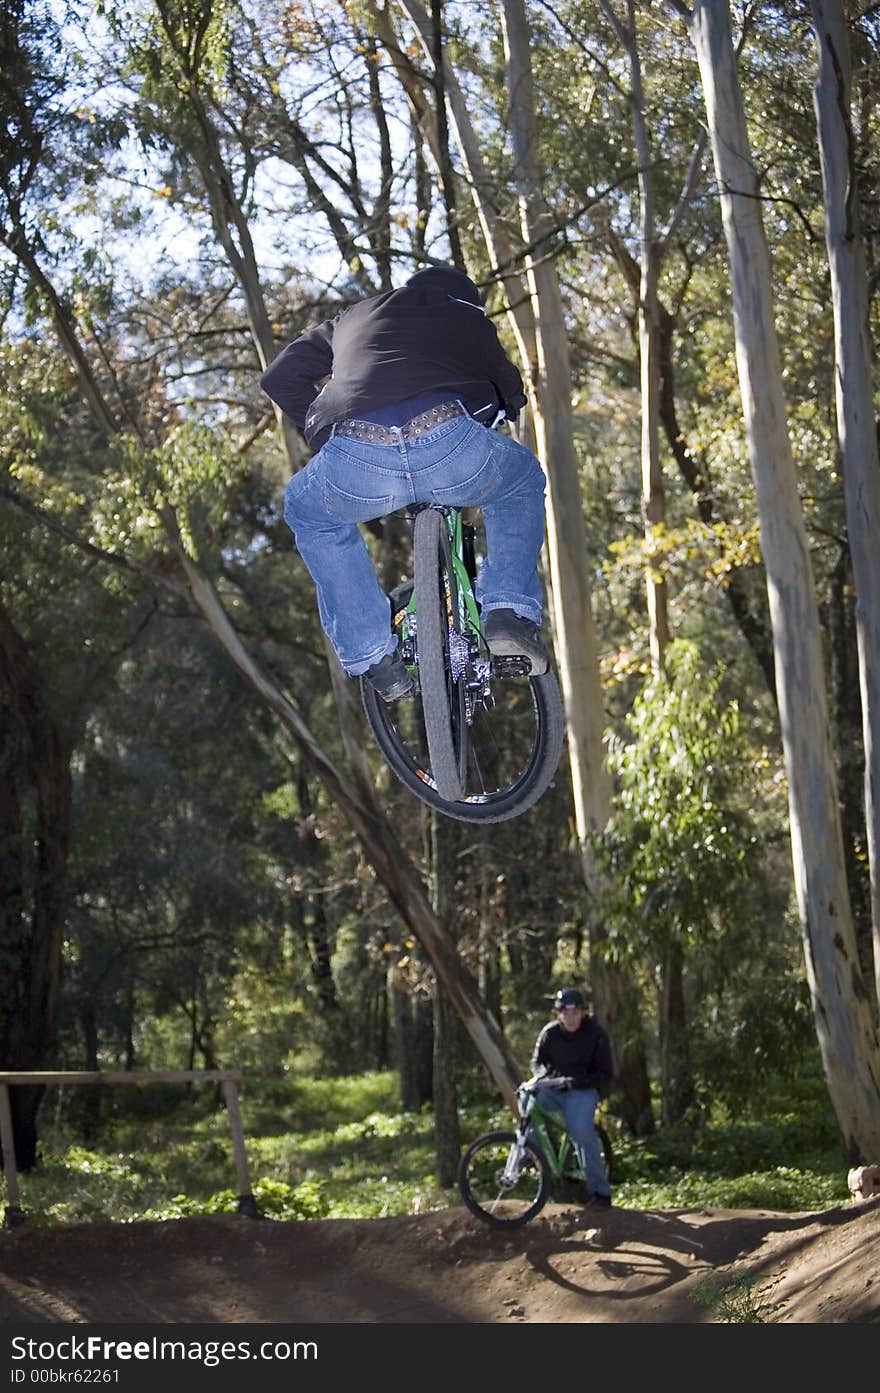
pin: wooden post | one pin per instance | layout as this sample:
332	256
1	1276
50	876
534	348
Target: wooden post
7	1141
228	1077
246	1202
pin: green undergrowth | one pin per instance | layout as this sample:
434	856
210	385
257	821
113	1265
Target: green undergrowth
341	1148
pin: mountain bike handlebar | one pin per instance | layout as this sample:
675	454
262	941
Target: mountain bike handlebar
548	1080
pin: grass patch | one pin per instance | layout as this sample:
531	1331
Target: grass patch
738	1300
341	1148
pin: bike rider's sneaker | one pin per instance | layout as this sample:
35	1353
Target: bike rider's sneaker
509	636
599	1201
389	677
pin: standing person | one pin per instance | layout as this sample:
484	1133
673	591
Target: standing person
414	377
576	1049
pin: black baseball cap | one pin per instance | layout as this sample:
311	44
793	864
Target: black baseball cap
567	996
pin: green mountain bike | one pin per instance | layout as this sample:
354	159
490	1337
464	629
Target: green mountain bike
480	741
506	1178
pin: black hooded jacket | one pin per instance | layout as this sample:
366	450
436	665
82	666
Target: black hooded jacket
431	334
582	1055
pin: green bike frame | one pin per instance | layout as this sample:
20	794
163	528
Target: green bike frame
558	1161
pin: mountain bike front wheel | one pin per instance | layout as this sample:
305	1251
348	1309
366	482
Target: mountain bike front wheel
504	1179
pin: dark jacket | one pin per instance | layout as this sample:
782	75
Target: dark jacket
582	1055
430	334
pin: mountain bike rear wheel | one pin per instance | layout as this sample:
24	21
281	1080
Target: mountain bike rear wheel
442	655
498	1191
499	737
571	1166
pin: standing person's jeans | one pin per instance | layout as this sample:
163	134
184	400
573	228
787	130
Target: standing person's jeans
460	463
578	1108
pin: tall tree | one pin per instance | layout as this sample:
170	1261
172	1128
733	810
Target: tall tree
847	1036
549	378
856	425
34	849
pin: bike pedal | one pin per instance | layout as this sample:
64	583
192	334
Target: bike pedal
512	666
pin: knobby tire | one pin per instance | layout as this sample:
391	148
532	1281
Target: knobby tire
437	617
489	1207
450	748
571	1166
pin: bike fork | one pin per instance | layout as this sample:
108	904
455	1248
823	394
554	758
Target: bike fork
515	1160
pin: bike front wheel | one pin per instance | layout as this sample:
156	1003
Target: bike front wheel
504	1179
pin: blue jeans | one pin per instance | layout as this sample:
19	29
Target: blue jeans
578	1109
460	463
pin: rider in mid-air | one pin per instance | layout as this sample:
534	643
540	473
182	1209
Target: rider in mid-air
412	378
575	1049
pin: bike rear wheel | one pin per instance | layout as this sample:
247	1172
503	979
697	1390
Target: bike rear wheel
571	1166
496	740
442	651
498	1191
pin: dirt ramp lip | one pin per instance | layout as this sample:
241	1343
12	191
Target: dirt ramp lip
568	1265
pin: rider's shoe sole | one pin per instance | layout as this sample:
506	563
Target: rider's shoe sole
509	648
400	689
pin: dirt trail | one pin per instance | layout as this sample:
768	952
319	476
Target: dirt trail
568	1265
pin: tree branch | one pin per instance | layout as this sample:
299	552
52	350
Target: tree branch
122	563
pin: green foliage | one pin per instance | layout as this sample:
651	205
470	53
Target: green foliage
780	1152
741	1300
322	1148
193	472
689	862
679	851
274	1199
219	909
323	1102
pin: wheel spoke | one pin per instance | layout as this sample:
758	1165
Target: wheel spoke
500	1184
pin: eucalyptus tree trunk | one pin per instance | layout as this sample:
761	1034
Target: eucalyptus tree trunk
201	143
314	852
577	650
447	1134
650	258
379	230
549	400
450	195
550	384
856	427
502	256
490	925
404	1039
676	1073
839	619
847	1037
232	230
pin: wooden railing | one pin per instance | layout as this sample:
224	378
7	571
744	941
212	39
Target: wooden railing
229	1078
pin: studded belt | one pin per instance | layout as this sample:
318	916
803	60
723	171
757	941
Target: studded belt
416	426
